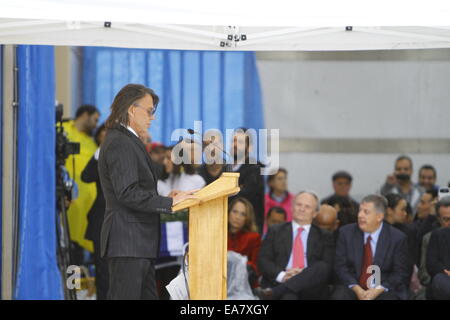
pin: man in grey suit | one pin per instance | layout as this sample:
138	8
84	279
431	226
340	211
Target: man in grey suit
131	228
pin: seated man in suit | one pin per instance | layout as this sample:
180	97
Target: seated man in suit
296	257
371	244
443	216
327	219
438	255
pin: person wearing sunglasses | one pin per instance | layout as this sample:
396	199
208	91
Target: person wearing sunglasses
131	226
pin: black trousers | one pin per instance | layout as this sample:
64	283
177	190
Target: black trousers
310	284
131	279
101	273
440	287
344	293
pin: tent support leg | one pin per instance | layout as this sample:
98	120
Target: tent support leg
9	181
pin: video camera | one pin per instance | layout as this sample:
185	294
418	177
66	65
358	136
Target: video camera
64	187
64	147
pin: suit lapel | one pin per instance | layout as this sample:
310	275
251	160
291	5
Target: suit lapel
287	241
383	241
359	248
141	146
312	242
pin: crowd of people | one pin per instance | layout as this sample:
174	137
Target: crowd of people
394	244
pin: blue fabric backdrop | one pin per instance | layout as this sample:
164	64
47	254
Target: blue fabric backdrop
219	88
38	276
1	157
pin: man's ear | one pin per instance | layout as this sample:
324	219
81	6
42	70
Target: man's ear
131	111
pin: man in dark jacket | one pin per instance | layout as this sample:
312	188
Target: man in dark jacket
251	181
367	246
131	227
438	254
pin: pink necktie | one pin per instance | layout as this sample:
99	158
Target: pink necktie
299	258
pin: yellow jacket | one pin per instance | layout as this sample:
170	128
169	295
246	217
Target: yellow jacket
87	192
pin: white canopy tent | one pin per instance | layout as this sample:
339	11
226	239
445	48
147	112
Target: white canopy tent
281	25
320	25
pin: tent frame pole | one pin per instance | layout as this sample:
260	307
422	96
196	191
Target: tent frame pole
9	180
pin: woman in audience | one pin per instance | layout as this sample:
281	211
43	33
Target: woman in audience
399	215
180	177
243	237
278	195
397	209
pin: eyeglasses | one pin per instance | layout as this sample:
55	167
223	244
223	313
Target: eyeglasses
150	112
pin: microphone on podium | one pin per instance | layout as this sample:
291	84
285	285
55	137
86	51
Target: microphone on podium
227	167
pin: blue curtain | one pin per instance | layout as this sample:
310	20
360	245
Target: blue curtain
1	158
38	276
219	88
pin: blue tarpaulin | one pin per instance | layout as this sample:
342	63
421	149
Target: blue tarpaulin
38	276
221	89
1	158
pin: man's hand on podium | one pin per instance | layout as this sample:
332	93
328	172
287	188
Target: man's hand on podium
179	196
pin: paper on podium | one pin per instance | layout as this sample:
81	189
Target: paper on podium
226	185
177	288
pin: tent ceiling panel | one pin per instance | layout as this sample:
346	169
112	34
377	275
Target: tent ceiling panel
318	25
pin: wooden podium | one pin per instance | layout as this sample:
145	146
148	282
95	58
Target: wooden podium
208	231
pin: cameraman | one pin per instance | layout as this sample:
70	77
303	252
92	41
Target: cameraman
80	130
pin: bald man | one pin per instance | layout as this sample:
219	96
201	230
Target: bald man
327	218
296	257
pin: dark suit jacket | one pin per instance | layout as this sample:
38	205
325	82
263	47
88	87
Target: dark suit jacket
131	226
252	188
391	256
277	247
97	212
438	252
413	246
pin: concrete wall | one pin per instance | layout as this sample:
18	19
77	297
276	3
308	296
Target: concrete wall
68	62
357	111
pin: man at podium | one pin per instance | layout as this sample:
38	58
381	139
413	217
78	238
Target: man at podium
130	231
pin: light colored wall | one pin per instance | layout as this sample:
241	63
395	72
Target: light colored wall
68	64
63	78
357	100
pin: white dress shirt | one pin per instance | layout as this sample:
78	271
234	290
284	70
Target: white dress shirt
304	237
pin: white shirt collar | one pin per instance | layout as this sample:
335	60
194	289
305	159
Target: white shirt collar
295	226
374	235
130	129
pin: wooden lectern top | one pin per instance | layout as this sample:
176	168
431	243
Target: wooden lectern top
226	185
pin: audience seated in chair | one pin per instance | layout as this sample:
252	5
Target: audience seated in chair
438	254
278	195
275	215
243	237
368	243
296	257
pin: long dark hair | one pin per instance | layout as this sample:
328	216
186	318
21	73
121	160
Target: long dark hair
393	200
250	222
124	99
